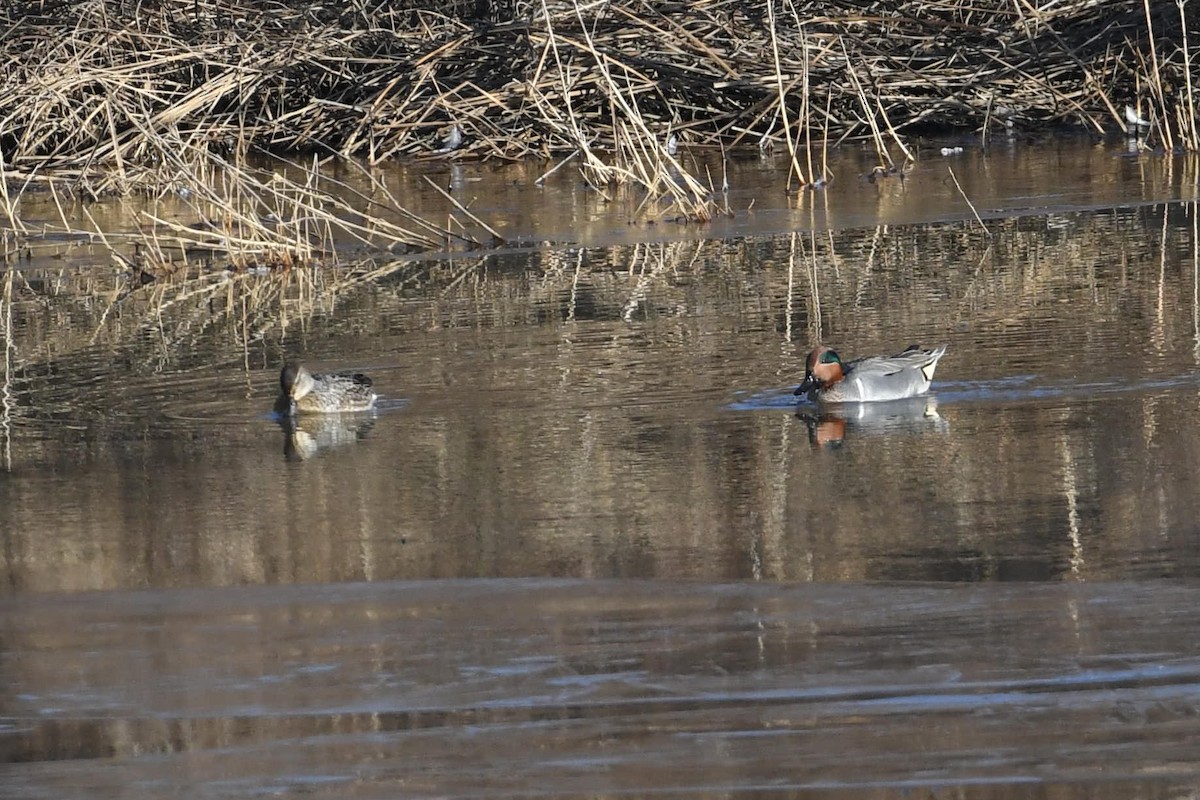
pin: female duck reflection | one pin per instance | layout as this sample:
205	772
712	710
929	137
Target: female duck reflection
320	412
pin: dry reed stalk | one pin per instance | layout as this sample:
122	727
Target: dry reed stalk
967	200
639	158
1189	114
1155	74
782	106
594	170
258	217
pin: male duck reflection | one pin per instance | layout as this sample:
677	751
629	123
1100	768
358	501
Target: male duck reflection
872	378
302	391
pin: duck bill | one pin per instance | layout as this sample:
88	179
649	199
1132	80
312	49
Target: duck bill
285	406
807	385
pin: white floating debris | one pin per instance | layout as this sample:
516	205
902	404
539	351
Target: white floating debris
951	151
1134	118
453	140
672	145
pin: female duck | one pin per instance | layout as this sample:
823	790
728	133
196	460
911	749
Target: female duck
301	390
906	374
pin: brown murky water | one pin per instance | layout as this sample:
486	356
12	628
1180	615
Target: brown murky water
577	689
589	545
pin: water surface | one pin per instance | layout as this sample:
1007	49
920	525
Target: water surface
581	689
589	544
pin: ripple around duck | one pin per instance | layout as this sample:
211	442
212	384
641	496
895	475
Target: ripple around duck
1020	388
253	410
1014	389
766	400
85	396
218	412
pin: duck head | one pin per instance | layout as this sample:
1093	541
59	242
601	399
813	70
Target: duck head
822	370
295	381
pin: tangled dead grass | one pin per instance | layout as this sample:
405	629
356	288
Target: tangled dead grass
107	93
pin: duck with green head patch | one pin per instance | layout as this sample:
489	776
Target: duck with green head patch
827	379
303	391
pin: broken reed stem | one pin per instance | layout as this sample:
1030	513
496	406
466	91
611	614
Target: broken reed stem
868	115
825	175
495	236
970	205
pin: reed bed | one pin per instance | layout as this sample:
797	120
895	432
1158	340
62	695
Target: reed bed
216	215
112	87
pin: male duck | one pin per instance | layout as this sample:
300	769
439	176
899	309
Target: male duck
301	390
906	374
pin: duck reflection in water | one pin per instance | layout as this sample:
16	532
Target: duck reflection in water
305	437
322	412
829	426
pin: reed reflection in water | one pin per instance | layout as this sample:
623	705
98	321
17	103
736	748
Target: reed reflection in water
626	412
